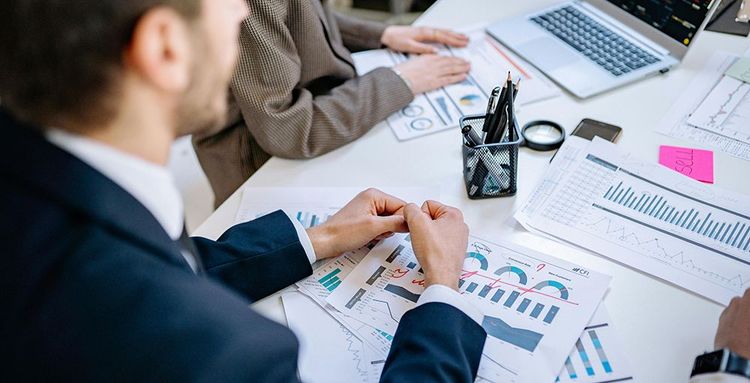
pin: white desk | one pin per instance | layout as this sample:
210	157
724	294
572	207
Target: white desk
663	327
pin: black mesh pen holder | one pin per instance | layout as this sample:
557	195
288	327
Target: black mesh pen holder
491	170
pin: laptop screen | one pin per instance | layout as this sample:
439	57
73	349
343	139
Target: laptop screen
679	19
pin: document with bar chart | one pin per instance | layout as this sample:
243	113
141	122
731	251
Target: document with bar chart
440	109
327	279
646	216
597	356
534	306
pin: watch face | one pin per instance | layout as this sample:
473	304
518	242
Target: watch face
707	363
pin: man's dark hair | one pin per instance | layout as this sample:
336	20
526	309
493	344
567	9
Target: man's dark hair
60	60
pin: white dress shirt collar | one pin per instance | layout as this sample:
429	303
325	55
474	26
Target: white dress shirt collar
150	184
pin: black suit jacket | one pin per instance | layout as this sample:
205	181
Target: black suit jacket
93	288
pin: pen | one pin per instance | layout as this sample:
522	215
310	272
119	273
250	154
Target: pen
512	91
470	136
490	110
497	115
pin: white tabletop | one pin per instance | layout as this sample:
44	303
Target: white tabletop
663	327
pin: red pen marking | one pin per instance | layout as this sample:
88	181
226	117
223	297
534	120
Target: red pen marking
496	282
398	273
502	53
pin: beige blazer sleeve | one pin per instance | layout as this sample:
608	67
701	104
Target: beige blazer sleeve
290	120
358	34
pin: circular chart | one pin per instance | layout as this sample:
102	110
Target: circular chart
412	111
422	124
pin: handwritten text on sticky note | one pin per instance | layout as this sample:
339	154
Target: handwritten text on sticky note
694	163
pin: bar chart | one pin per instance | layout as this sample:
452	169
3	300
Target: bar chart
309	219
331	281
731	229
597	355
511	299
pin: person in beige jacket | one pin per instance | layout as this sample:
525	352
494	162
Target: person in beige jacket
296	94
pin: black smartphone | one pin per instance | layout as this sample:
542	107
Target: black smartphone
589	129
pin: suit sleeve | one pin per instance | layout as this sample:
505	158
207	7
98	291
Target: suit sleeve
256	258
130	316
290	121
359	34
435	343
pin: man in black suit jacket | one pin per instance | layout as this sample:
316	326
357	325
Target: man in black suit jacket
99	283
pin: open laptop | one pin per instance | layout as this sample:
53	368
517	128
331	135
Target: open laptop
592	46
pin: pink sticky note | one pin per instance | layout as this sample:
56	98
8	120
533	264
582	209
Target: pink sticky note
694	163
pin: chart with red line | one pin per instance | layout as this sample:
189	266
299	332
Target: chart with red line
534	306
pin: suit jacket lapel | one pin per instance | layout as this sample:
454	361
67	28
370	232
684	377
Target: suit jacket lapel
29	158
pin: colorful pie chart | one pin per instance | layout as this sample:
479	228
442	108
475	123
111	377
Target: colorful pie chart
469	100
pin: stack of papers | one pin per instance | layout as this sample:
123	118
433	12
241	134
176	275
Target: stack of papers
646	216
535	307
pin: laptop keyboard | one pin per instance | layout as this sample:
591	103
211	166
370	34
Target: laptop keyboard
598	43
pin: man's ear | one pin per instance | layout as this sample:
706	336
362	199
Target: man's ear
160	51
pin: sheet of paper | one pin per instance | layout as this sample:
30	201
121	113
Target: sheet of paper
714	110
327	279
312	206
597	356
695	163
441	109
740	69
534	306
646	216
329	352
726	110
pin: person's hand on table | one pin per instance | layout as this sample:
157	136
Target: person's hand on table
429	72
416	40
734	327
372	214
439	238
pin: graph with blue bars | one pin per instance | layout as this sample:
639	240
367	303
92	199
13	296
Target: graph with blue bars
331	280
730	229
308	219
513	299
590	362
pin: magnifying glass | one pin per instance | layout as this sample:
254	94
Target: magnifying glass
543	135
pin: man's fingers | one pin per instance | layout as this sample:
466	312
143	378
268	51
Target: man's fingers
383	203
434	208
415	217
733	306
391	224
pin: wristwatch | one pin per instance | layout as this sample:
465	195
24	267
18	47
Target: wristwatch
723	361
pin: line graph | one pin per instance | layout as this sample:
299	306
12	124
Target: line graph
725	110
618	234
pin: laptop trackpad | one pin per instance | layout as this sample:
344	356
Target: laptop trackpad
548	54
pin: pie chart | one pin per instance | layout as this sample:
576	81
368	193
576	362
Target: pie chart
469	100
